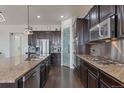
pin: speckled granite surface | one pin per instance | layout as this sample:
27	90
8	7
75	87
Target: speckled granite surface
13	68
115	70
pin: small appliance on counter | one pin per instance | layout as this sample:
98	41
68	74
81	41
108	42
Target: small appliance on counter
31	52
56	49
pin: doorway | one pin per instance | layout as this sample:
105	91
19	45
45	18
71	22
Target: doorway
16	44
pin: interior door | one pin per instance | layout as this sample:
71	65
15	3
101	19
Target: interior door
16	44
66	47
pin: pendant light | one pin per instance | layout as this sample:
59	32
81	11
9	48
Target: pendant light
2	19
28	30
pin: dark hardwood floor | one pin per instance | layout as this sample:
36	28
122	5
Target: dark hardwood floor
62	77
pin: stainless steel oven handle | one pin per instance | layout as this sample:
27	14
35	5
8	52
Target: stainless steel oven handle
100	32
100	35
23	80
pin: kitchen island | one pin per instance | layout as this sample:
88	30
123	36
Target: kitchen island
18	72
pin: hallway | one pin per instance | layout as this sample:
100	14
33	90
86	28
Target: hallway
62	77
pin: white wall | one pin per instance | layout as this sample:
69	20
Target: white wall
5	30
64	24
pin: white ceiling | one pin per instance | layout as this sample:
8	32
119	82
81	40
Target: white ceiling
50	14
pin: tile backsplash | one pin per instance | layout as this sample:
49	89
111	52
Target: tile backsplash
113	50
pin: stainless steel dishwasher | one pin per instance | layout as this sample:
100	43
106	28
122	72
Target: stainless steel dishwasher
32	79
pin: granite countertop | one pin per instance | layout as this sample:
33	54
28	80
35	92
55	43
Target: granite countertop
114	70
11	69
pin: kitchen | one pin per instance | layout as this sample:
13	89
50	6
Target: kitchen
81	49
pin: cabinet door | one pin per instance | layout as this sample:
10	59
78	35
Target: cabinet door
106	11
92	80
94	19
103	84
83	74
120	24
31	81
56	59
42	76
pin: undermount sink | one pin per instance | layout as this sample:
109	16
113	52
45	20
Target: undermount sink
35	59
32	59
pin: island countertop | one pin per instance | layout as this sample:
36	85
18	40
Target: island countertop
11	69
114	70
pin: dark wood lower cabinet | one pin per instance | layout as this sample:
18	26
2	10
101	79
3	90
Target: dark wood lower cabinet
92	80
9	85
42	75
83	74
55	58
44	72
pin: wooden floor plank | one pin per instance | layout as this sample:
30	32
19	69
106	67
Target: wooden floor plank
62	77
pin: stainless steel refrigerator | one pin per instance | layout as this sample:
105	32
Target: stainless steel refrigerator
42	47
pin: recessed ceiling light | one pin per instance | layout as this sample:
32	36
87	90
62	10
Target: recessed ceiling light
62	16
38	17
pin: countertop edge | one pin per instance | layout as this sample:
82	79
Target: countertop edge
119	81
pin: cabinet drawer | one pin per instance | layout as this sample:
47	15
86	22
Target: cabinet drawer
93	69
108	81
92	80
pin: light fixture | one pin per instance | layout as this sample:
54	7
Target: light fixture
62	16
38	17
28	30
98	25
2	19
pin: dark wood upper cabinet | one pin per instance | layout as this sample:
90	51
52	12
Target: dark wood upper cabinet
106	11
80	28
99	13
120	21
82	31
94	16
87	17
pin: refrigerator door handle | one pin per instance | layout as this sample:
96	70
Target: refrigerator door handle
68	48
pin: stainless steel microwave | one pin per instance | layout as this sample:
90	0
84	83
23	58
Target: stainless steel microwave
103	30
94	33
